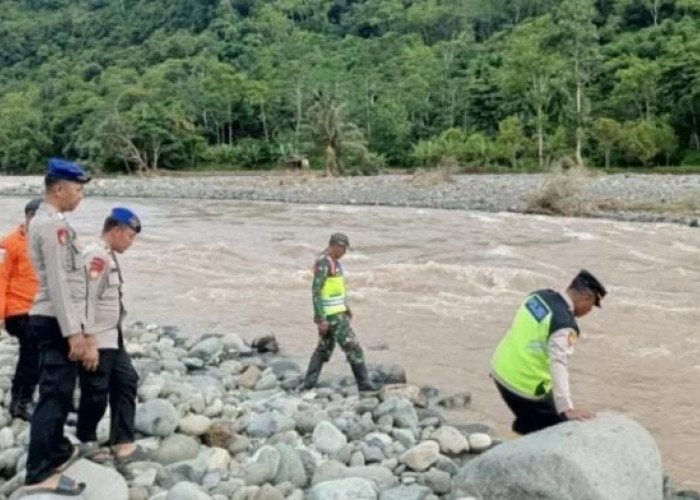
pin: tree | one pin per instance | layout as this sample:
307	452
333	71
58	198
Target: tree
334	136
511	140
533	72
640	141
608	133
577	37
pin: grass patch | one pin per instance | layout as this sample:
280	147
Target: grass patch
561	193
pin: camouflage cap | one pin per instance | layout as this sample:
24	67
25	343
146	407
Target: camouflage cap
339	239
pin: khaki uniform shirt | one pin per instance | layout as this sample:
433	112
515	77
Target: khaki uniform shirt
104	310
59	264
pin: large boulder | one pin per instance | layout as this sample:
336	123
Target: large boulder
608	458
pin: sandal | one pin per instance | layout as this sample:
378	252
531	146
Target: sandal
66	487
75	456
138	455
95	453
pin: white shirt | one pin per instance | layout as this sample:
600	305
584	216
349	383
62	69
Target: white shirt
561	347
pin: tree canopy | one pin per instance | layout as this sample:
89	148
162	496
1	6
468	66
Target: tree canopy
140	85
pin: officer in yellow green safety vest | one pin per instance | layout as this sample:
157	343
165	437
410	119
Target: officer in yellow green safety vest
530	365
332	316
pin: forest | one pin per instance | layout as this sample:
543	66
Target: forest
349	86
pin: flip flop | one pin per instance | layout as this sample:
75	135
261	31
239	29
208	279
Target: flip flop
138	455
71	460
95	453
66	487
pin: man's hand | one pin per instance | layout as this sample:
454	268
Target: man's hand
78	346
349	313
92	355
323	328
574	414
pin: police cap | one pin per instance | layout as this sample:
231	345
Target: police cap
585	280
126	217
66	171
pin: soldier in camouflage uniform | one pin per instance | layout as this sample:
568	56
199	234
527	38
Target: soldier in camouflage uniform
332	316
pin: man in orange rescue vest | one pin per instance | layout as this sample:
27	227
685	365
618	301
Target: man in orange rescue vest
18	285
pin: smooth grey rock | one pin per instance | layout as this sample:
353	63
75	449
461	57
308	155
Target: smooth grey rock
266	382
451	441
186	491
250	377
270	458
380	476
352	488
413	492
422	456
479	442
282	366
401	410
177	448
328	439
608	458
307	420
157	417
269	492
291	468
459	400
194	425
269	423
207	348
102	482
438	481
189	471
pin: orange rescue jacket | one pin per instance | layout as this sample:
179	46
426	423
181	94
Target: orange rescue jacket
18	281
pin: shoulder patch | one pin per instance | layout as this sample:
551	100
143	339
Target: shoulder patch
537	308
97	266
572	338
62	235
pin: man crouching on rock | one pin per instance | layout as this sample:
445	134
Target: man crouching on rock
530	364
332	317
115	380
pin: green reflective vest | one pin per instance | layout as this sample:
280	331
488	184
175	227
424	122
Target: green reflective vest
334	292
521	360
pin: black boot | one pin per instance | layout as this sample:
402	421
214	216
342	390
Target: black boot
364	384
313	372
22	408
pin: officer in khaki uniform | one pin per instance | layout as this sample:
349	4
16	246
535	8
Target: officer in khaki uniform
115	380
332	316
57	326
530	365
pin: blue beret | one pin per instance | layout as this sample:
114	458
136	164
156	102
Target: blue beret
126	217
67	171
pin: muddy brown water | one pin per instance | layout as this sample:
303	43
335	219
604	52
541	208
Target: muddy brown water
433	290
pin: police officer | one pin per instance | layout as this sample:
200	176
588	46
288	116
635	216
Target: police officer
530	365
332	316
57	324
115	379
18	285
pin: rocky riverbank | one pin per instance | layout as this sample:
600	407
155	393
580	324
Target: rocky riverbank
633	197
223	420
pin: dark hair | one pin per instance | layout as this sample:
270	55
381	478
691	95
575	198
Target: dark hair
50	181
110	223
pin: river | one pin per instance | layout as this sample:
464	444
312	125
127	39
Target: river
433	290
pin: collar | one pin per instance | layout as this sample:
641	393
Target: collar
568	300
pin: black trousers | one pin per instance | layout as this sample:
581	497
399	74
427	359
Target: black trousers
530	416
27	370
48	446
115	382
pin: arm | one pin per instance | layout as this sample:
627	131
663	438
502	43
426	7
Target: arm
5	271
97	271
561	347
320	275
55	252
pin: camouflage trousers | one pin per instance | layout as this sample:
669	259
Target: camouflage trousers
340	332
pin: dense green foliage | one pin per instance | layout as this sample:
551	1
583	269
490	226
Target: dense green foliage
352	84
